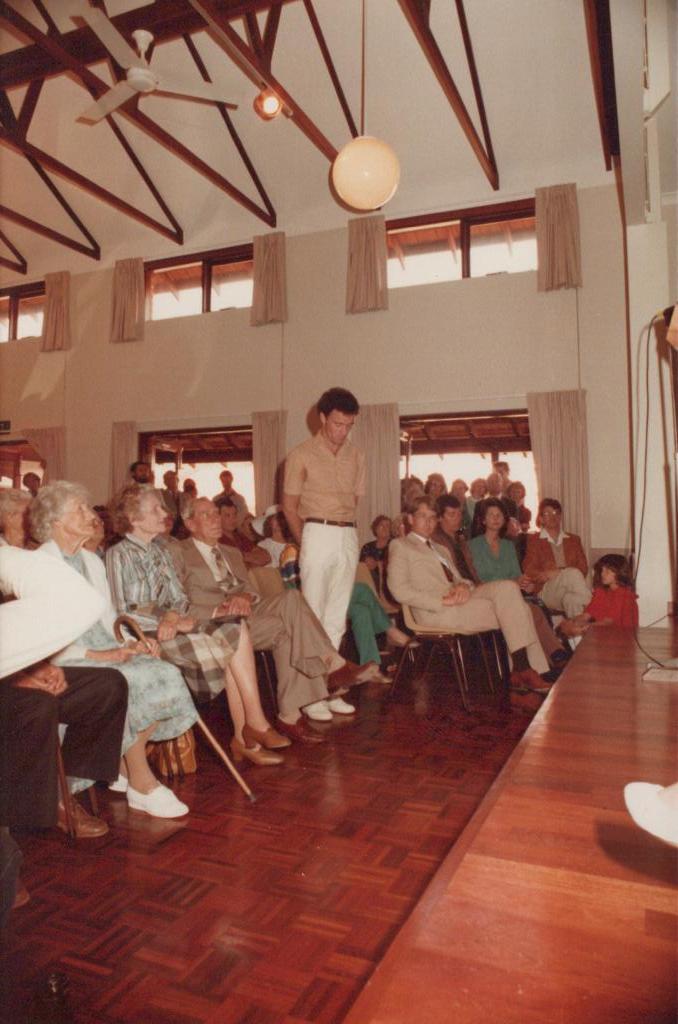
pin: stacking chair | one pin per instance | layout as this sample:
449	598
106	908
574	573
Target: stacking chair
431	636
268	582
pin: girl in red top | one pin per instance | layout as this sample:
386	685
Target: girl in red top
614	601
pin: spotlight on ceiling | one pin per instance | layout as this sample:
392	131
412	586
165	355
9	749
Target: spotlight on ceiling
267	104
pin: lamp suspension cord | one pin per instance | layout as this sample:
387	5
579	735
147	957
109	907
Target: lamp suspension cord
362	71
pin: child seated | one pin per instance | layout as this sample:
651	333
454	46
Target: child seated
614	602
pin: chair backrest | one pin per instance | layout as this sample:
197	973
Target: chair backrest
408	618
266	580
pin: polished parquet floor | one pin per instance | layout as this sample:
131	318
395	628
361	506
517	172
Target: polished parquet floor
273	913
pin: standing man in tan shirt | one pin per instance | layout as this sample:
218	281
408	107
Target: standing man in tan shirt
324	477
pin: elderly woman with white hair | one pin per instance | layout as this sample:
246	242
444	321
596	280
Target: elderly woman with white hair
13	508
160	705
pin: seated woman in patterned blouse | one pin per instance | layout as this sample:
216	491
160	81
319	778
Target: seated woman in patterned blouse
159	704
218	656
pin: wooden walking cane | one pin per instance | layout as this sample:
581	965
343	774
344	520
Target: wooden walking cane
137	631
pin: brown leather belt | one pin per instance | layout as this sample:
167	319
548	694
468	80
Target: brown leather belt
327	522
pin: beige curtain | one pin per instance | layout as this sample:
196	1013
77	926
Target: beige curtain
269	300
366	287
558	245
129	301
50	444
377	434
561	455
269	444
56	328
124	441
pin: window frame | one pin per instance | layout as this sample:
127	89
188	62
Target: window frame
206	260
16	293
492	213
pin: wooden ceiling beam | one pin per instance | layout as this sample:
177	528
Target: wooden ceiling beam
21	266
418	23
475	80
329	64
271	32
254	36
244	57
166	19
235	138
42	229
29	104
97	87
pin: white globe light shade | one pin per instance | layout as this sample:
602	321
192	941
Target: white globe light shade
366	173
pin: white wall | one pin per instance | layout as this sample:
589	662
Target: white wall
465	345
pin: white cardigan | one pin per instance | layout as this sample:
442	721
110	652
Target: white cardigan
96	574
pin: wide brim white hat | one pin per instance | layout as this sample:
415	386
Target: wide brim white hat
258	523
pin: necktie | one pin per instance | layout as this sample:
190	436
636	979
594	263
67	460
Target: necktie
225	574
449	575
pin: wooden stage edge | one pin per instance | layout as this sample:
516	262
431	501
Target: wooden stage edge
553	906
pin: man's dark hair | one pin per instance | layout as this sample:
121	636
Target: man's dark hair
550	503
139	462
339	399
447	501
225	503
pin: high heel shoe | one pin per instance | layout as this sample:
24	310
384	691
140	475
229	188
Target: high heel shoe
269	738
259	756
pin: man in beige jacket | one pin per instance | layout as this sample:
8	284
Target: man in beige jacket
422	575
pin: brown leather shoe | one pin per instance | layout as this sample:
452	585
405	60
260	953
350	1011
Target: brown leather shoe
269	738
351	674
300	732
529	680
86	825
257	756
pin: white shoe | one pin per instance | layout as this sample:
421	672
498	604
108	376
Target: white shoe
120	785
318	712
339	706
650	812
159	803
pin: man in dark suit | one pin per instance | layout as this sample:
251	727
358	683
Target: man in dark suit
216	582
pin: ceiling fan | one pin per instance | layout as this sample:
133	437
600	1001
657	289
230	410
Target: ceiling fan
140	78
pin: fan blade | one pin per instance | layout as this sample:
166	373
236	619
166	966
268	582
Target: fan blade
197	90
107	103
117	46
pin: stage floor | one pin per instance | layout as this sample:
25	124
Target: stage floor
552	906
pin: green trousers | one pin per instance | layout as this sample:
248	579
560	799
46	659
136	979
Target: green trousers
368	619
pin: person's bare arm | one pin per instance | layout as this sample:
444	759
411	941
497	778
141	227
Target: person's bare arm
290	504
257	557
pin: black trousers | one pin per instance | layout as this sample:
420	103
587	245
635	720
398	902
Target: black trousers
93	706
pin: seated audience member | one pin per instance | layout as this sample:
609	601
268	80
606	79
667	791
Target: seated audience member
435	486
169	495
36	697
614	601
399	526
503	469
450	534
190	488
213	657
477	493
410	488
556	563
308	668
141	473
495	558
459	489
229	494
232	537
375	552
14	517
95	541
516	493
159	704
31	482
272	526
422	575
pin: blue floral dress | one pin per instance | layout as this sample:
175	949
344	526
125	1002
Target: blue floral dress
157	691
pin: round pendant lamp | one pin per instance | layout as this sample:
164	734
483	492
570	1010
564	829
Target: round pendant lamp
366	171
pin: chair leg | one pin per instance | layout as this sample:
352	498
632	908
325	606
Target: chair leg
404	653
486	662
66	797
454	646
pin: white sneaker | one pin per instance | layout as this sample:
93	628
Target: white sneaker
159	803
339	706
319	711
120	785
648	810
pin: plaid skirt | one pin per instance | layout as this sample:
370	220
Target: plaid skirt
203	656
